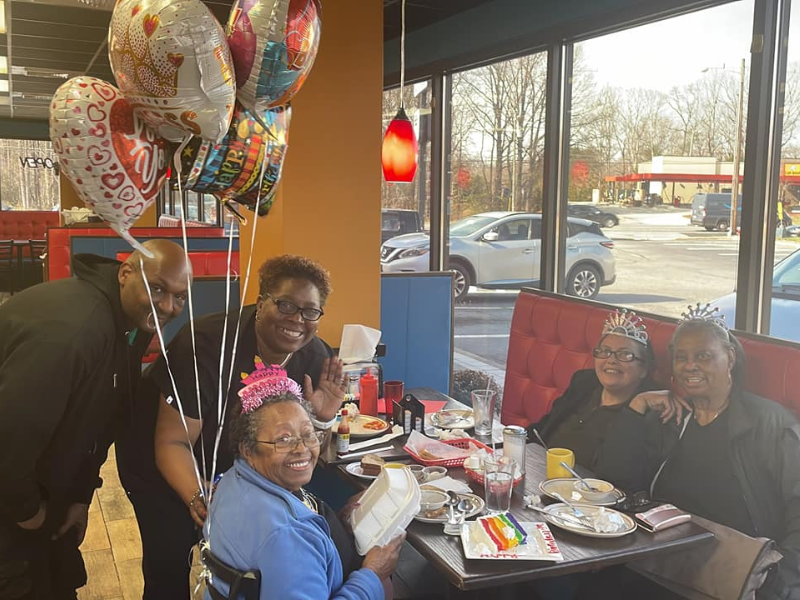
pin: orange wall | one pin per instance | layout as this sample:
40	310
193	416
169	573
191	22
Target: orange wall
328	205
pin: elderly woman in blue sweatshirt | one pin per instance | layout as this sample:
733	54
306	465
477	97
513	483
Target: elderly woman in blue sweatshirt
262	519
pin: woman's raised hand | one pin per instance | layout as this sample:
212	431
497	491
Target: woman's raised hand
327	398
383	559
666	403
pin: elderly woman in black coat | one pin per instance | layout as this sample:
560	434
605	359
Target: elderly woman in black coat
713	449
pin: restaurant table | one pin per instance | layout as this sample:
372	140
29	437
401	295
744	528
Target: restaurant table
580	553
329	457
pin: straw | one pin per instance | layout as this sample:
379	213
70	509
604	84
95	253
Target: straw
491	433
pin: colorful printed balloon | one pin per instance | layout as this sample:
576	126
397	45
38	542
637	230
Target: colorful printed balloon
273	44
232	169
115	162
171	60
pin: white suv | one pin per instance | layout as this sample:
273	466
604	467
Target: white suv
502	250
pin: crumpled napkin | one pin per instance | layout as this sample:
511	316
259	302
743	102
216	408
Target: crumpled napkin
448	484
358	343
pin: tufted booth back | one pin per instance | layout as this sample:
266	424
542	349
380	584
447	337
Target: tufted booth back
552	336
26	224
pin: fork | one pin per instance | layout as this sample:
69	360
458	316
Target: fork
576	511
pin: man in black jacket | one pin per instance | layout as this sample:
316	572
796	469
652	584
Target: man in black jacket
70	360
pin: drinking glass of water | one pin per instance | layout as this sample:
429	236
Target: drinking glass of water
499	472
483	411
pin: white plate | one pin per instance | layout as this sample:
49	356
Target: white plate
355	469
565	486
589	510
540	545
477	501
453	419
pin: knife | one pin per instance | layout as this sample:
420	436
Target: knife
371	450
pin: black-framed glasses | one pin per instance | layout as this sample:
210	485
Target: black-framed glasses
621	355
287	443
290	308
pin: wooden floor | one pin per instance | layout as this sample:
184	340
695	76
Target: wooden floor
112	549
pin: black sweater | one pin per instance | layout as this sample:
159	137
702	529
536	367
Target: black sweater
582	388
67	373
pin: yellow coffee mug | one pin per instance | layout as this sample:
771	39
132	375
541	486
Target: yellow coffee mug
554	458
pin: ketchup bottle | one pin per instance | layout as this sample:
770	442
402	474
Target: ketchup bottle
343	434
368	403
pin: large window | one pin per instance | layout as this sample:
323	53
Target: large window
653	173
28	175
656	119
785	305
495	198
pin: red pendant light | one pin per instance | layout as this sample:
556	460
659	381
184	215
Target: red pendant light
400	150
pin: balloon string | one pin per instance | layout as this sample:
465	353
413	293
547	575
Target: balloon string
221	406
176	160
239	318
163	347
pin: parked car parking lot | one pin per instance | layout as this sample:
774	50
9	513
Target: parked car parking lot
592	213
502	250
785	308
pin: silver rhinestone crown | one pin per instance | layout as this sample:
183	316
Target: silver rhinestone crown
706	312
626	323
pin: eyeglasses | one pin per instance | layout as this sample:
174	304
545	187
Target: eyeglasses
620	355
290	308
287	443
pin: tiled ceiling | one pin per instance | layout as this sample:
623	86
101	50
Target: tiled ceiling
47	42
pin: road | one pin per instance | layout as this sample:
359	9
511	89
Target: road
663	264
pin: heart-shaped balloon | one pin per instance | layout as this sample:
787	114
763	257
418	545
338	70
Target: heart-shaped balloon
172	62
115	162
273	44
232	169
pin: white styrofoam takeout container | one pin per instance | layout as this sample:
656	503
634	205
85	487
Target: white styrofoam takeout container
385	509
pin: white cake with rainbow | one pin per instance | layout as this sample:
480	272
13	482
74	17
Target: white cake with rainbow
499	533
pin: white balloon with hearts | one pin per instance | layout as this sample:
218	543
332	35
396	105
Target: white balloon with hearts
116	164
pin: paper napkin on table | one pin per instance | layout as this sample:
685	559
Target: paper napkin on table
395	431
448	484
358	343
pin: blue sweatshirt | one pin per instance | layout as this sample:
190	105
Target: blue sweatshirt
256	524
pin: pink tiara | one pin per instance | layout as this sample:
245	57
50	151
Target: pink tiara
265	382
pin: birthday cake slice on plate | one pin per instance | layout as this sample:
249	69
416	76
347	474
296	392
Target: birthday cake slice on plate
498	532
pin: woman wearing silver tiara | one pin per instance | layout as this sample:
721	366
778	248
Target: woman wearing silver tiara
713	449
623	361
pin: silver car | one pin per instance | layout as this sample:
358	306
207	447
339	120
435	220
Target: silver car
501	250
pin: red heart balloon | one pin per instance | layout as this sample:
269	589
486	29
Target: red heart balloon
116	164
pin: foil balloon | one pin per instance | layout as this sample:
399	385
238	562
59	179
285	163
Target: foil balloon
171	60
115	162
232	169
273	44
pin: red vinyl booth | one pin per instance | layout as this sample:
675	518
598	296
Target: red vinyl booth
552	336
26	224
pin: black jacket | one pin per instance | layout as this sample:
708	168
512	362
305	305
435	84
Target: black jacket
764	441
67	372
582	388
